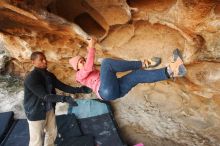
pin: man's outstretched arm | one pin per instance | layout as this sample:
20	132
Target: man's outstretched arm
66	88
37	88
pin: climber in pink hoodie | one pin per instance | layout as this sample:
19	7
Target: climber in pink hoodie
108	86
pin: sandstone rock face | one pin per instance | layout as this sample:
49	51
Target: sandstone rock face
175	113
4	58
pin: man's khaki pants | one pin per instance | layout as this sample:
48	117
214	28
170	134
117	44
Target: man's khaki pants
43	131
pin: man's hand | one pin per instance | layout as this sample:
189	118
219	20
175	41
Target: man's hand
91	42
85	89
70	100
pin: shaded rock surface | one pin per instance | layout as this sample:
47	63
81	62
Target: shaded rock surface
175	113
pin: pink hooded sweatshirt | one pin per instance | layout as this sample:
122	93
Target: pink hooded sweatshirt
88	75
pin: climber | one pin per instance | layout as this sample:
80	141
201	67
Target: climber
105	83
40	98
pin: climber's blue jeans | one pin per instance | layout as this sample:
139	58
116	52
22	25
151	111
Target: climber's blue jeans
112	87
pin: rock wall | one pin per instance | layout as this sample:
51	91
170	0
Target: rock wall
179	112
